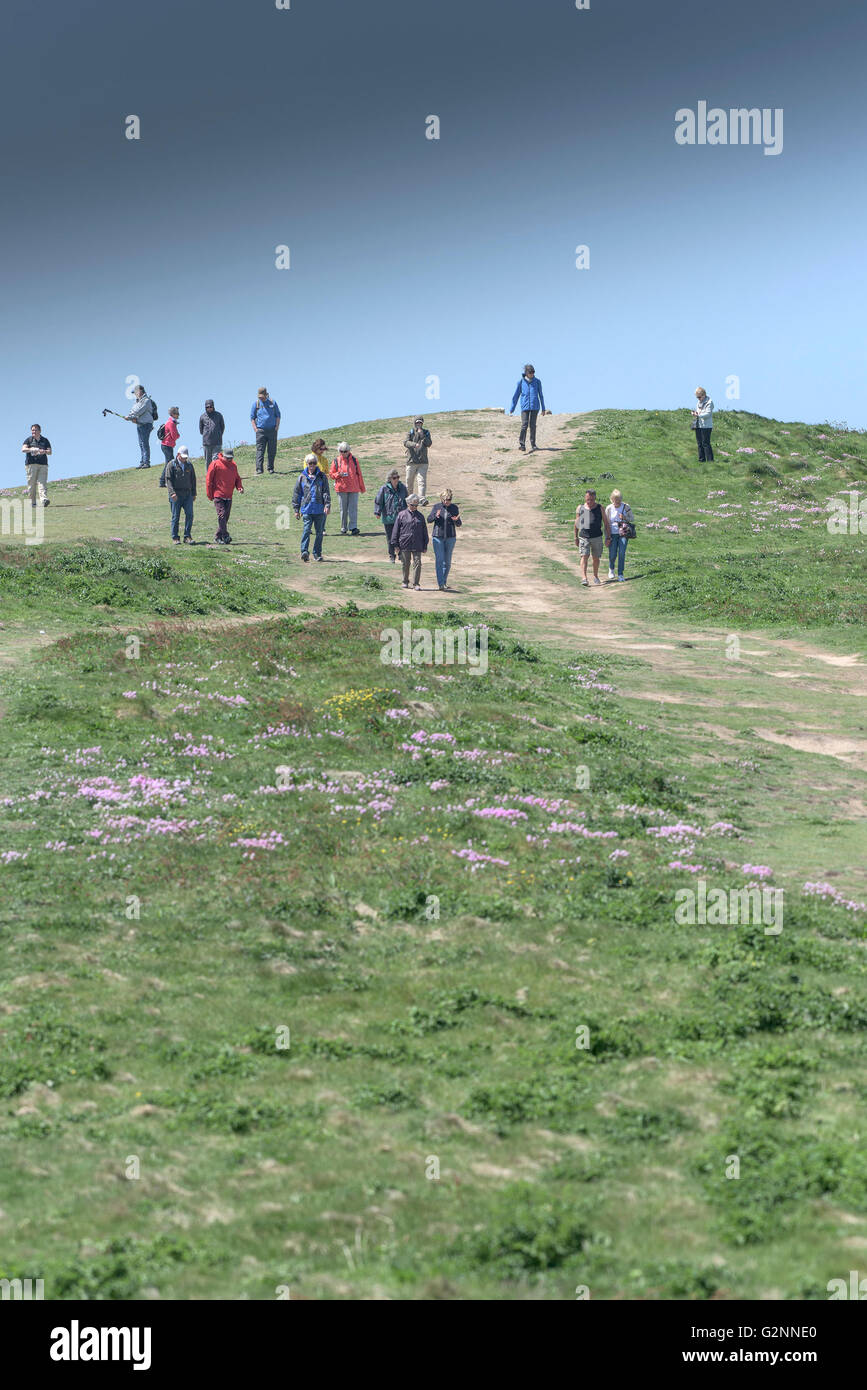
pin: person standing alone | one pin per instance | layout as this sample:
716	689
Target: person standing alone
143	416
38	449
212	427
529	390
265	419
417	443
702	423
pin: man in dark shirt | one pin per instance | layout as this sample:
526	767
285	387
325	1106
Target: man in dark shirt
37	448
212	427
590	521
410	537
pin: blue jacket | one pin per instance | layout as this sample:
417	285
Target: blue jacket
530	393
265	414
312	494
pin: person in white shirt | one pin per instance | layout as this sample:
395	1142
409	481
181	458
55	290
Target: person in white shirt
702	423
622	524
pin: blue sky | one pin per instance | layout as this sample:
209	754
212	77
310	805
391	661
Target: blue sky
412	257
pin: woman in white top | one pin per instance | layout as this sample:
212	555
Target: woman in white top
702	423
622	524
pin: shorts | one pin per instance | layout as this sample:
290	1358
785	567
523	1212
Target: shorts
591	546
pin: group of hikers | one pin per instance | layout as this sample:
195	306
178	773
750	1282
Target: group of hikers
396	504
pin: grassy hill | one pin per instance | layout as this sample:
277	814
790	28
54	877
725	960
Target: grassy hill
301	945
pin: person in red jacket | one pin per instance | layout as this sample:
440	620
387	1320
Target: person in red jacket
170	436
221	482
348	483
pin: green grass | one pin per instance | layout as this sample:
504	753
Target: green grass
155	945
756	553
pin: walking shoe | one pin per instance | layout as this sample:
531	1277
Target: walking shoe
522	449
416	586
621	579
304	556
586	583
610	574
393	559
259	471
441	588
188	540
270	470
355	532
227	540
596	579
343	530
404	585
144	465
176	540
47	502
318	557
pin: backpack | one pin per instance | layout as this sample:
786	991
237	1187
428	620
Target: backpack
154	409
161	432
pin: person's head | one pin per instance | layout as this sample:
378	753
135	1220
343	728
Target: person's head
319	446
700	392
394	477
209	405
228	454
412	501
175	412
312	463
140	391
36	430
418	421
183	454
590	498
616	497
529	369
262	393
343	448
446	495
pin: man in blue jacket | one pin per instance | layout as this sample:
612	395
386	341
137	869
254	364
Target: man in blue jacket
312	500
529	388
265	419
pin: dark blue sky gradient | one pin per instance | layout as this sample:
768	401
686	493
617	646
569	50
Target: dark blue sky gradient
413	257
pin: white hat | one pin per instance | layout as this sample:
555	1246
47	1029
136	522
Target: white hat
183	453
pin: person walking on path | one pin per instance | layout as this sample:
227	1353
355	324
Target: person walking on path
168	435
417	443
38	451
410	536
622	525
181	483
212	427
143	416
311	499
348	483
702	423
221	483
265	419
590	521
320	449
445	517
390	500
529	389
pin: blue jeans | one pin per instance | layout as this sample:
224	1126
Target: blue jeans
617	551
443	557
312	521
178	505
144	442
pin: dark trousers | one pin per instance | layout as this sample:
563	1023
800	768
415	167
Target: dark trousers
209	450
702	439
185	505
313	521
263	438
223	507
168	455
528	417
392	549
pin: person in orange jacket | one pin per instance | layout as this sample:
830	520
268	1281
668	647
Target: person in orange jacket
348	483
221	482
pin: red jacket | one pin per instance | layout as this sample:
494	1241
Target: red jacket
346	474
172	433
222	478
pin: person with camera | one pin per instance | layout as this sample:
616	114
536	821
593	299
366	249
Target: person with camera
622	524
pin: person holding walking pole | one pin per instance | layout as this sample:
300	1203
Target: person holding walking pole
143	415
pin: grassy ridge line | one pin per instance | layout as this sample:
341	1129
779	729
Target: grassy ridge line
742	541
412	1035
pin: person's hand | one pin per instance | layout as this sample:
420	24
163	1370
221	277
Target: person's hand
327	510
297	516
